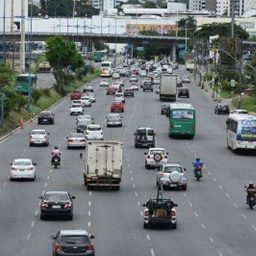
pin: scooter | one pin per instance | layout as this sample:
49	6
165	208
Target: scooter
56	162
198	172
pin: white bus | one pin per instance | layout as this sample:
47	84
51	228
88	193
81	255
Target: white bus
106	68
241	132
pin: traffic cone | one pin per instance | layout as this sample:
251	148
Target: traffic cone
21	124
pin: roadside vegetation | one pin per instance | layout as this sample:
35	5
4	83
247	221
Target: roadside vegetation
74	74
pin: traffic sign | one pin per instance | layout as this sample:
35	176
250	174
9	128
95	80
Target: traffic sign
232	83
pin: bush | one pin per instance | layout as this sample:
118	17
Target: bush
47	92
226	86
10	101
37	93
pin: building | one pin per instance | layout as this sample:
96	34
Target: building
223	7
238	7
97	4
210	5
197	5
249	5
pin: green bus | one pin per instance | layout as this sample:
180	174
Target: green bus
182	120
22	82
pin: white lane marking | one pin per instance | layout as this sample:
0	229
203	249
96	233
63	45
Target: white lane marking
138	203
214	179
211	239
32	224
203	226
4	184
136	194
133	185
244	216
89	223
220	254
90	193
131	178
130	171
50	170
196	214
190	203
141	213
45	184
152	252
48	177
235	205
227	195
89	213
185	194
220	187
209	173
28	236
148	237
89	203
254	227
36	212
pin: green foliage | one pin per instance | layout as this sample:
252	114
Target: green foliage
149	5
229	75
221	29
36	94
47	92
11	100
226	85
5	79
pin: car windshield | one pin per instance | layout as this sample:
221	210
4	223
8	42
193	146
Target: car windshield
38	132
56	197
170	169
45	114
76	105
153	152
144	132
85	122
94	128
74	239
22	162
114	119
77	135
247	130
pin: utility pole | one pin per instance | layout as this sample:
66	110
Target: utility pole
4	42
22	39
2	111
12	5
232	18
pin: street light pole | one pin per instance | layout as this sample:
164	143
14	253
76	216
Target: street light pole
22	43
4	42
186	37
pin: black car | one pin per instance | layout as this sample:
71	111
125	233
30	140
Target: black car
128	92
82	125
183	92
144	137
56	203
73	242
164	108
147	86
45	117
221	108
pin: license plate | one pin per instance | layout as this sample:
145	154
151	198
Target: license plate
44	120
38	141
173	185
56	206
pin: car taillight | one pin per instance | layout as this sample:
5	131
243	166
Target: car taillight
67	205
82	140
13	168
44	205
146	213
58	248
148	157
90	247
161	175
173	213
30	168
70	140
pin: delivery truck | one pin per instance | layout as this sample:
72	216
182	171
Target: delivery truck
168	87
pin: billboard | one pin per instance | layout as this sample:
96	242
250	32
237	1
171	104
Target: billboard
163	29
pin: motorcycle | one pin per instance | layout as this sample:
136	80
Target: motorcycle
198	172
251	200
55	161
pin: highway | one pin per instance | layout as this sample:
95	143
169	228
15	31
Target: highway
213	219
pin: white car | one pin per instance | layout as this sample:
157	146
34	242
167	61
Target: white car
115	75
155	157
120	96
76	109
39	137
133	79
23	169
185	79
240	112
91	96
104	83
94	132
86	102
76	140
156	80
143	73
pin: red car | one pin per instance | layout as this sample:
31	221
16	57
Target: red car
75	95
117	107
111	90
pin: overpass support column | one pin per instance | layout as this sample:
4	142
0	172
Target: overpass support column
174	52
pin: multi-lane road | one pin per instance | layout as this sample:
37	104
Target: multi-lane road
212	216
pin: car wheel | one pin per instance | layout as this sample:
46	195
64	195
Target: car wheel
145	225
42	217
136	146
146	166
34	178
184	187
174	226
88	187
70	217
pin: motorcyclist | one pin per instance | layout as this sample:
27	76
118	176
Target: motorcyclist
251	189
56	153
197	164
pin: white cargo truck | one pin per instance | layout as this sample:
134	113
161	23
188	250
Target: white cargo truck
168	87
103	164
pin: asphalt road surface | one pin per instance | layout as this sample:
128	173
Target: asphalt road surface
213	219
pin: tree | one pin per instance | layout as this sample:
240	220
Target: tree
6	75
221	29
188	23
149	5
62	55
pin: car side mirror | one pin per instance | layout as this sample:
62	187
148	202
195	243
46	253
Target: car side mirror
175	205
245	187
53	237
40	197
134	134
92	236
34	163
145	153
67	137
81	155
73	197
167	153
48	133
144	205
185	169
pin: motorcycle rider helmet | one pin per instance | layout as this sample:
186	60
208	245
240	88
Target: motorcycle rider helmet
56	147
197	159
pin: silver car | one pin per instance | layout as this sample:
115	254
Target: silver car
23	168
39	137
114	120
76	140
171	175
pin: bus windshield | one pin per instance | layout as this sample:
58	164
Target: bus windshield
246	130
182	114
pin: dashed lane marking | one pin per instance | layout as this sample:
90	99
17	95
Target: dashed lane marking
90	193
130	171
89	213
131	178
209	173
254	227
148	237
185	194
133	185
152	252
36	212
235	205
48	177
211	239
50	171
220	254
28	236
244	216
89	223
141	213
45	184
4	184
135	193
89	203
214	179
203	226
220	187
32	224
138	203
190	203
227	195
196	214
